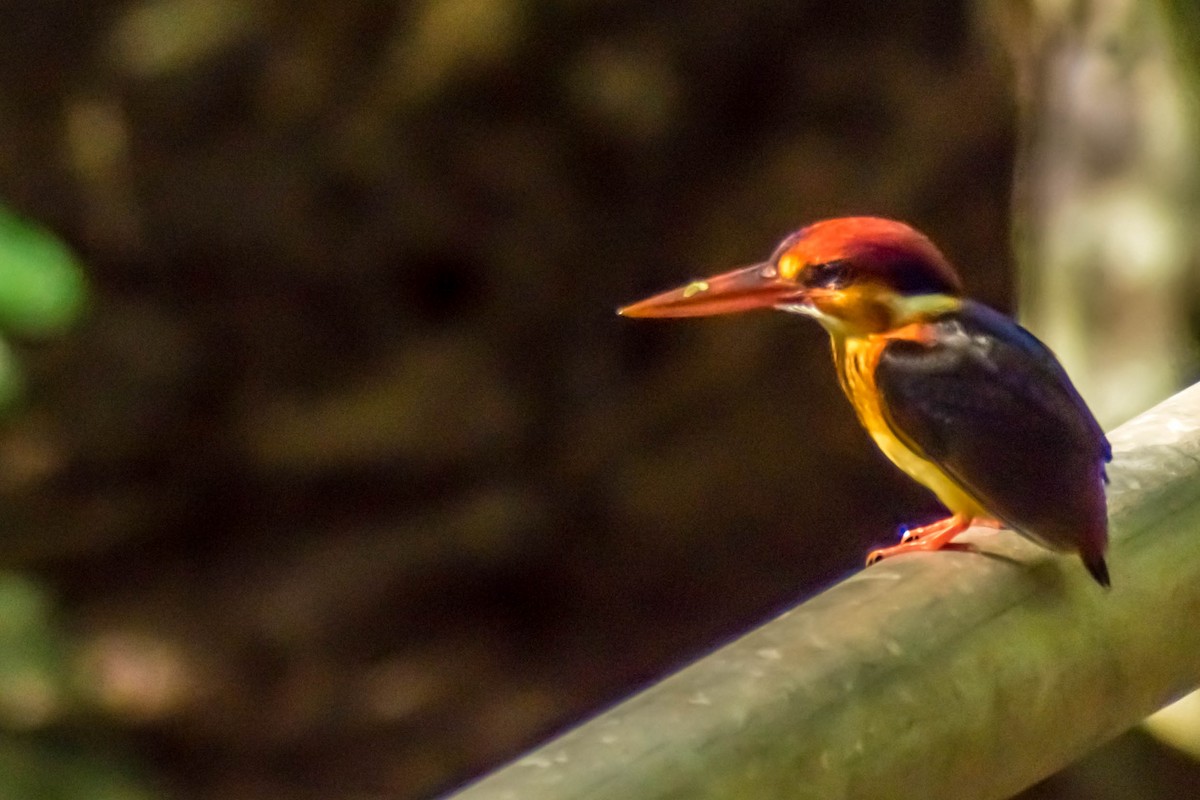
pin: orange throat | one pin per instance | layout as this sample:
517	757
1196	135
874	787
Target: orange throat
856	358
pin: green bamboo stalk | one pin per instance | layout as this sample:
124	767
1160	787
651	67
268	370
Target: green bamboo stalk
943	675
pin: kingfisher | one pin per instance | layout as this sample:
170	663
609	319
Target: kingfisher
962	398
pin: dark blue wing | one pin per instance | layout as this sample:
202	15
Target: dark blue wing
989	403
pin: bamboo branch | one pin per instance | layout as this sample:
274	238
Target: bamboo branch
945	675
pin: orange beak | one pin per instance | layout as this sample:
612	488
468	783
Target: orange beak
743	289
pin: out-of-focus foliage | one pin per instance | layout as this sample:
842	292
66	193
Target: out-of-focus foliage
1107	196
41	283
1107	200
34	684
50	770
43	753
1182	18
41	292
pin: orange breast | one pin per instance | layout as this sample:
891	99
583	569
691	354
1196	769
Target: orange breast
856	358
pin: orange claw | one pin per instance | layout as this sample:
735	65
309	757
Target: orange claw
928	538
933	528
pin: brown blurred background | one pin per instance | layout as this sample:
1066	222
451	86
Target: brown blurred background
351	484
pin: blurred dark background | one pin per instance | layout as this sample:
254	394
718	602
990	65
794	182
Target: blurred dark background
350	483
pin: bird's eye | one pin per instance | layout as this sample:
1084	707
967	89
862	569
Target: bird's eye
830	275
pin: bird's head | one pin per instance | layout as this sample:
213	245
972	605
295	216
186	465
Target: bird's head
855	275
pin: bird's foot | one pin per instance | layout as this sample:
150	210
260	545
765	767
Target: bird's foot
927	538
908	534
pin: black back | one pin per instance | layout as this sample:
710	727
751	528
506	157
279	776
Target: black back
990	405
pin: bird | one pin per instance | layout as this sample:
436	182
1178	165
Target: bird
957	395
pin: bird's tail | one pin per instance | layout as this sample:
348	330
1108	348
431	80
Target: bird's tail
1096	566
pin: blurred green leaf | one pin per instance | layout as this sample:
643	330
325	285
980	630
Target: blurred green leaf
53	771
12	377
36	760
41	283
33	665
